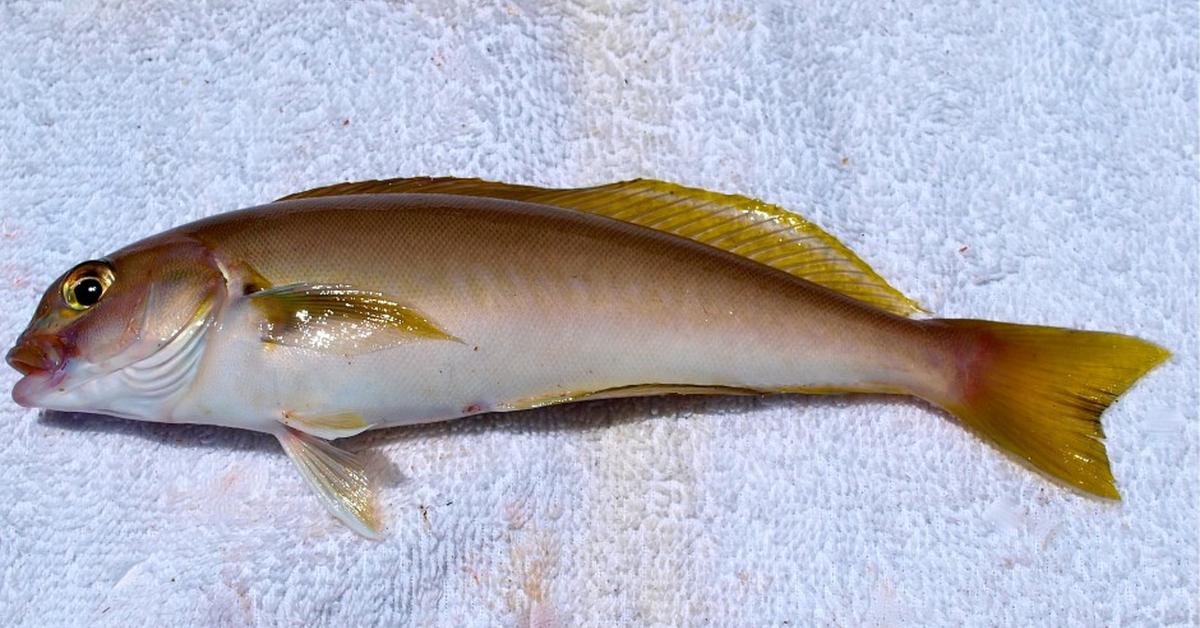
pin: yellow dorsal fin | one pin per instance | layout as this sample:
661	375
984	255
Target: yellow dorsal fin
744	226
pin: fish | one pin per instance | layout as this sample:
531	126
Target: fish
373	304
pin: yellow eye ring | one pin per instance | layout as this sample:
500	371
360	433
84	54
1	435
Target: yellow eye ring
86	284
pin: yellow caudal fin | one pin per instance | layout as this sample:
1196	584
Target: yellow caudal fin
765	233
1038	392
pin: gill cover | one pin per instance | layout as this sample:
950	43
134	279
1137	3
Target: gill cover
120	335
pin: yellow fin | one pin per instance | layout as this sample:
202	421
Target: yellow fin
636	390
650	390
339	425
744	226
1038	393
339	479
338	318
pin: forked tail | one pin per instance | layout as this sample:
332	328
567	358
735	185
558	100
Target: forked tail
1038	392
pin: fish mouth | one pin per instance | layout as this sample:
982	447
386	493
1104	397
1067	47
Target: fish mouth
31	357
41	361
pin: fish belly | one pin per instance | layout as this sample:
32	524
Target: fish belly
510	360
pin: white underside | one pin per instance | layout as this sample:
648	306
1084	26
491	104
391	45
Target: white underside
246	383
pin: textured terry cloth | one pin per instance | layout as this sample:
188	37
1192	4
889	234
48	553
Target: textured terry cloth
1032	163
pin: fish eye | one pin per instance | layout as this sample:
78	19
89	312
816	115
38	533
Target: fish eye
86	284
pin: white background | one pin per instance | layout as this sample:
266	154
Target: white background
1027	163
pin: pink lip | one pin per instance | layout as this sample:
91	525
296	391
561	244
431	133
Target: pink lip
32	389
41	360
30	356
29	389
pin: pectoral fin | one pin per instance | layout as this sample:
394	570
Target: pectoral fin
339	318
339	479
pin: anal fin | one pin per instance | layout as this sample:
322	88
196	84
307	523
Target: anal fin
340	425
339	479
636	390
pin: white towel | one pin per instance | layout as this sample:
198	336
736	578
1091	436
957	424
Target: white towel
1028	163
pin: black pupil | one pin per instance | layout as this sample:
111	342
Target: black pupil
88	291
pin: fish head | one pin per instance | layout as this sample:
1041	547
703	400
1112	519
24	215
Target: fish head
110	334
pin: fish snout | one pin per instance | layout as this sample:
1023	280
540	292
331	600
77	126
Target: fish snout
35	354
